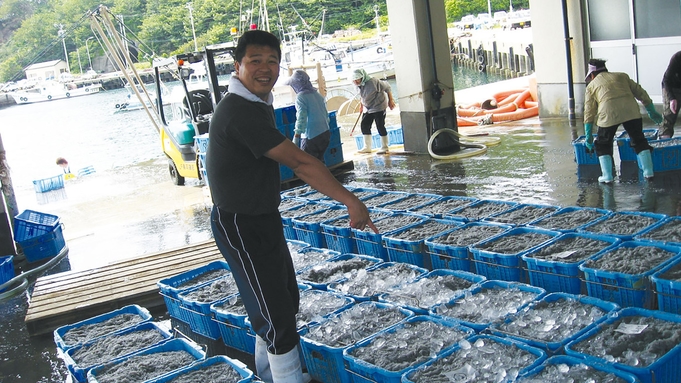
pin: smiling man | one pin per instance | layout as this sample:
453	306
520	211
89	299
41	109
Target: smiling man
245	150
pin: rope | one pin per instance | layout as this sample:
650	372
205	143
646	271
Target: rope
22	278
481	144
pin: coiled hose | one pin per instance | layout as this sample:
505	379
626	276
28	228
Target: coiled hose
21	280
479	143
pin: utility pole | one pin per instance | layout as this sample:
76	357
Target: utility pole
321	30
62	34
378	27
191	19
489	7
88	51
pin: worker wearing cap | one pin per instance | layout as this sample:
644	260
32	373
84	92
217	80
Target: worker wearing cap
375	96
671	93
610	101
312	119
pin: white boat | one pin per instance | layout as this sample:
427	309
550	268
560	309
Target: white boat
53	90
131	101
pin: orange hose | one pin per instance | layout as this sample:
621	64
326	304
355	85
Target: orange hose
509	99
505	93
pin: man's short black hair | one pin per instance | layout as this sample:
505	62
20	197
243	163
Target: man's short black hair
256	37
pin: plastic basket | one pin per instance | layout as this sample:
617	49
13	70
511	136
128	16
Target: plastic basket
46	184
234	329
6	269
171	287
395	136
338	238
323	312
668	291
309	230
564	219
539	355
288	215
44	246
668	224
627	290
445	256
556	347
479	326
440	207
325	363
238	366
502	266
201	142
200	314
665	369
557	276
373	295
572	361
363	371
31	224
522	214
371	243
333	154
411	202
476	210
666	155
285	173
172	345
79	372
582	156
593	227
412	251
60	332
343	257
626	151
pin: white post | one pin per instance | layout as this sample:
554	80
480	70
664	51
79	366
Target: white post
191	19
63	43
378	27
88	50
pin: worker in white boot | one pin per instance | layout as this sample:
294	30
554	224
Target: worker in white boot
610	101
375	96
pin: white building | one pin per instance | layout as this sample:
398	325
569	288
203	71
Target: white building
49	70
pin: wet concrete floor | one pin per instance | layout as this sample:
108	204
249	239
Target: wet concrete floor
533	163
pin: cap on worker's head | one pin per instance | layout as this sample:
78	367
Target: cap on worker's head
360	74
300	81
595	66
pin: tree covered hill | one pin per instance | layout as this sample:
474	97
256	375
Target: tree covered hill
30	29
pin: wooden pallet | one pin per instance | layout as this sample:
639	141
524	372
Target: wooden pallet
70	297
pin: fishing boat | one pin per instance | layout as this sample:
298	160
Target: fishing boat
131	101
53	90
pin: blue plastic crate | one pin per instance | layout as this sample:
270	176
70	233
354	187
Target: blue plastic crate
372	294
326	363
618	217
311	232
412	251
201	142
627	290
438	208
171	287
666	154
43	246
6	269
562	276
488	286
502	266
285	115
572	361
338	238
569	219
335	138
418	307
79	372
651	234
340	258
234	329
665	369
333	121
333	155
304	261
522	214
476	211
287	216
135	310
539	356
582	157
556	347
172	345
371	243
364	371
199	312
30	224
411	202
380	199
375	141
285	173
236	365
668	291
446	256
50	183
626	151
395	136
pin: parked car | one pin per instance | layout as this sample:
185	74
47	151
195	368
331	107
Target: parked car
467	22
483	21
518	19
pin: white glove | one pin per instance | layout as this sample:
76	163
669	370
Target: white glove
296	141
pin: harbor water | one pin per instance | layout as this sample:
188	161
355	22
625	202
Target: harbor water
129	207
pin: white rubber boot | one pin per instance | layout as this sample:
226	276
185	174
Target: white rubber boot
367	144
262	362
286	368
606	169
645	161
384	145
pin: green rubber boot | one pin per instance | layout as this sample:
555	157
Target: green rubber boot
606	169
645	162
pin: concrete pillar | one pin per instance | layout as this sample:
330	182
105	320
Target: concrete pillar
420	64
8	207
550	57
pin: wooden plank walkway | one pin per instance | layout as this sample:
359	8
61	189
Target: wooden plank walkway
70	297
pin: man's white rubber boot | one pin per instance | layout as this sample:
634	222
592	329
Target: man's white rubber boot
262	362
367	144
384	145
645	161
286	368
606	169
